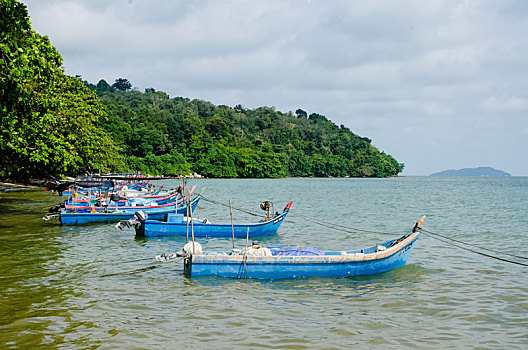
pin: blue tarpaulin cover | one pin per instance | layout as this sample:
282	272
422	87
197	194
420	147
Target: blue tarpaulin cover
296	251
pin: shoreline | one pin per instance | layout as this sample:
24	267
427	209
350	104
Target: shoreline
10	187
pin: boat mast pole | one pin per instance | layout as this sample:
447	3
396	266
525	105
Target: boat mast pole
187	221
192	226
245	253
232	227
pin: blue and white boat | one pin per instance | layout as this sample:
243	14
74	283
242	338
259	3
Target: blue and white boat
301	262
177	224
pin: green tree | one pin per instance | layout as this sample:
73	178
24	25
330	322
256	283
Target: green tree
102	87
48	118
301	114
122	84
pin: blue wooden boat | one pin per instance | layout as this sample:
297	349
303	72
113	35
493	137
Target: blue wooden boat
114	215
135	206
376	259
116	200
70	218
152	206
176	224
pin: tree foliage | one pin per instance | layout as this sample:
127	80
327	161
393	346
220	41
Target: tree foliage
220	141
49	120
122	84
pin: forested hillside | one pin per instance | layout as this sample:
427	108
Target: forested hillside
163	135
54	125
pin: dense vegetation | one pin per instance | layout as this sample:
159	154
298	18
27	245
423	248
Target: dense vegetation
50	121
163	135
52	124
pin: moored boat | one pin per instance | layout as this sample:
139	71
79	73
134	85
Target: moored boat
302	262
116	200
73	218
177	224
117	214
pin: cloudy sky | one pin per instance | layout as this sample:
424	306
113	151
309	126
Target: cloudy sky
436	84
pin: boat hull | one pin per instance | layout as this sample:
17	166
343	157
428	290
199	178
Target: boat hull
333	264
160	228
101	217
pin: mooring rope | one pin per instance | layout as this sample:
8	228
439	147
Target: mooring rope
342	227
474	245
151	267
475	251
143	269
443	238
227	205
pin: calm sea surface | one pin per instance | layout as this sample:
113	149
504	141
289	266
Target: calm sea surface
70	287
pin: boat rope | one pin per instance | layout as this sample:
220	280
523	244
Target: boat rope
476	251
440	237
143	269
448	240
44	274
340	227
318	222
431	234
227	205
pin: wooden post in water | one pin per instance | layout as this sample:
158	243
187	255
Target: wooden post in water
232	227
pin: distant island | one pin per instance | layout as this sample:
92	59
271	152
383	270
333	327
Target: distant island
481	171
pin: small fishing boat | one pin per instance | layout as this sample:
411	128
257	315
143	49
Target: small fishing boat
73	218
177	224
117	200
275	263
117	214
150	206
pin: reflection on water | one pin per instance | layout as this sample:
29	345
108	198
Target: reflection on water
90	286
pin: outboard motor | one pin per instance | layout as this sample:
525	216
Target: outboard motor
116	198
266	205
185	252
181	190
56	209
138	221
140	217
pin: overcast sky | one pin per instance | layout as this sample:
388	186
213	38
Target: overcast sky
436	84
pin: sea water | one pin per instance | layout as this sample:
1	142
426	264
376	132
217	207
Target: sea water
91	286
